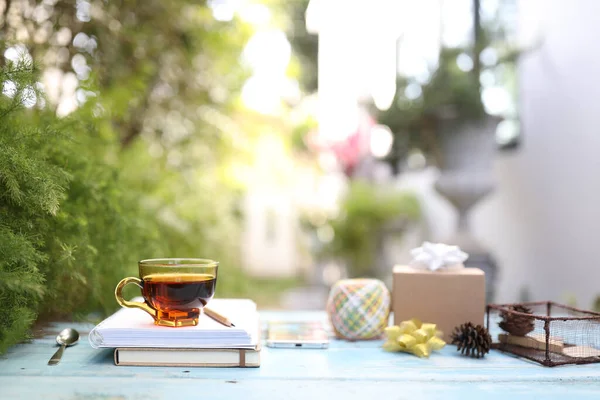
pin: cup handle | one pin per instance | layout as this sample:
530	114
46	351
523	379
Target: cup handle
132	304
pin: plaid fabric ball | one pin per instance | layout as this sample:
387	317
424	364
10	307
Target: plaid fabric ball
359	308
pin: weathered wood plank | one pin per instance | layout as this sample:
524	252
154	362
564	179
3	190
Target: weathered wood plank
345	370
80	388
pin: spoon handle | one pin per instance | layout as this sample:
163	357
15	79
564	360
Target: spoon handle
56	357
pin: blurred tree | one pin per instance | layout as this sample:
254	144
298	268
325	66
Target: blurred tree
31	189
365	212
145	59
450	91
305	45
137	164
166	73
453	89
68	227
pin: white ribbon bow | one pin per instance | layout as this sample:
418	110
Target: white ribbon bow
434	256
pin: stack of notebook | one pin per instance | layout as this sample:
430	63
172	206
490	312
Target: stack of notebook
137	341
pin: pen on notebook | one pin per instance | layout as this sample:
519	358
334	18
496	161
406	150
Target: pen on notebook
218	317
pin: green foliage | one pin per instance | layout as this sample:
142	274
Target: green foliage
450	94
98	234
165	76
73	224
190	208
68	227
31	188
305	45
139	170
365	213
300	133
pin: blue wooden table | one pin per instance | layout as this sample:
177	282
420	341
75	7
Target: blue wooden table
346	370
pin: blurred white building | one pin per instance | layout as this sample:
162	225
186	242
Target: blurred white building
542	221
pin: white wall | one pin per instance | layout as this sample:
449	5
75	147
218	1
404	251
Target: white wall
543	221
269	236
553	183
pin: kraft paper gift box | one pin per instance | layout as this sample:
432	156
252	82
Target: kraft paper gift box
444	296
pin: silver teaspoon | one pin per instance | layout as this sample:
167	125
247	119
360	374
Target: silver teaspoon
67	337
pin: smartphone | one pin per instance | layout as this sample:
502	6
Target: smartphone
301	334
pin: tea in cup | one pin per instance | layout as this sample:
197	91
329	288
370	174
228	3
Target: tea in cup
175	290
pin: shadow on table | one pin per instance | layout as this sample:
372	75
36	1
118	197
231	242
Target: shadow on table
103	356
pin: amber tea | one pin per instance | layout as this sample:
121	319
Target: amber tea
175	295
174	290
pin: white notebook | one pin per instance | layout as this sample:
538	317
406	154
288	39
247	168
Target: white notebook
133	327
140	356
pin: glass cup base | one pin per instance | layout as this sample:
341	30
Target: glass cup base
177	318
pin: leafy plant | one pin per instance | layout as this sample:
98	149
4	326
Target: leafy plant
450	93
138	170
31	189
365	212
67	224
73	224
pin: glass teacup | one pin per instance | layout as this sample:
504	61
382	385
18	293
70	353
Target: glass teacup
174	289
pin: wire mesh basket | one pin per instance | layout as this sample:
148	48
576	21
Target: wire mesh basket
546	332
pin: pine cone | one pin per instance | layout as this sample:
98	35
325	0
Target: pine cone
516	324
471	340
